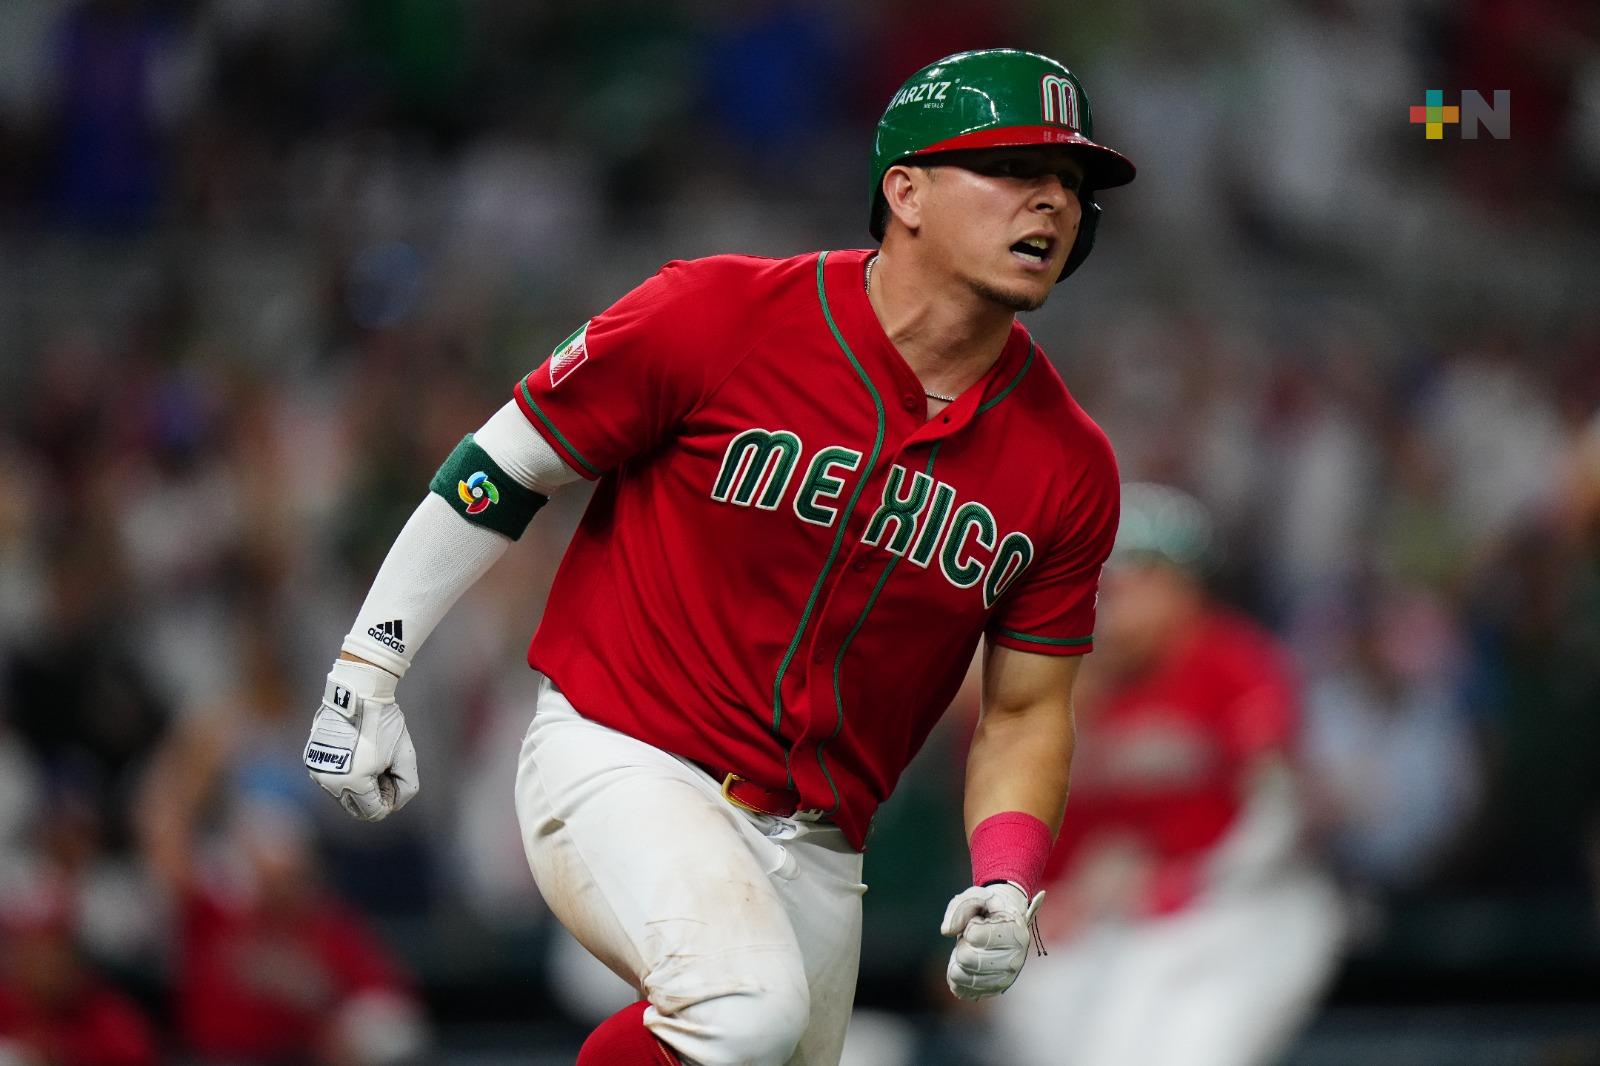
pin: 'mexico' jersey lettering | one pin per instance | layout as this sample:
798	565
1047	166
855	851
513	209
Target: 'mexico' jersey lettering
933	526
917	517
762	456
1010	560
974	520
902	512
819	483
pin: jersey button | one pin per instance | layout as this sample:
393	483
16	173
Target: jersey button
859	565
910	399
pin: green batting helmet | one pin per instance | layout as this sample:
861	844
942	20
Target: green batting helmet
996	98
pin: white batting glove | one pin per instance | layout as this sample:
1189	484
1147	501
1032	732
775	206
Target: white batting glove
993	927
359	751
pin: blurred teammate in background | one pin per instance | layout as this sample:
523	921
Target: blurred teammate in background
1184	924
55	1010
821	482
268	965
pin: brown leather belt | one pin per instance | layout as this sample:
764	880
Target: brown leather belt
758	799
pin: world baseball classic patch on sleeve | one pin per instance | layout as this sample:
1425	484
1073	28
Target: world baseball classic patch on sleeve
569	355
481	492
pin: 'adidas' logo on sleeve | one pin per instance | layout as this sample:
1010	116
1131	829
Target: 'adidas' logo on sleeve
390	633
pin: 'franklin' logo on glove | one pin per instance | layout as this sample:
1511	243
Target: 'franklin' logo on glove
325	760
359	751
333	738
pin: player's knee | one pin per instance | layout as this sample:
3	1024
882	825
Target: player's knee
762	1027
754	1017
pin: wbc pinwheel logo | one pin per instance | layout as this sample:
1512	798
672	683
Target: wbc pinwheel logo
477	492
1474	111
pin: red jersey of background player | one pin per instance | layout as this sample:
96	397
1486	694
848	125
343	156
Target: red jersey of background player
256	985
96	1026
1163	755
787	565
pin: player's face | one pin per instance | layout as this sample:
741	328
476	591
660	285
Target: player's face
1141	604
1004	220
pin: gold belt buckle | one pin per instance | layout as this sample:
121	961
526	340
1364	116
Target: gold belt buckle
727	794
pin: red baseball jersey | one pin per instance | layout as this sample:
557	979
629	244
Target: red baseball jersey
786	565
1162	758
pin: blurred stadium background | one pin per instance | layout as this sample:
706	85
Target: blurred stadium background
262	262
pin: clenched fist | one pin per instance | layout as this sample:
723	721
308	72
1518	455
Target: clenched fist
992	925
359	751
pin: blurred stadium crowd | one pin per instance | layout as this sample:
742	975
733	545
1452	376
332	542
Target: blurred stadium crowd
263	263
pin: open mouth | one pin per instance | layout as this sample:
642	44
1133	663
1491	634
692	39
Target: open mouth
1033	249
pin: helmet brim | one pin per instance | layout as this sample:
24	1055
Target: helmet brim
1103	168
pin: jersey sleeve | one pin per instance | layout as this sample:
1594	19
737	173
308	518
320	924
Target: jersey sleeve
1051	609
619	383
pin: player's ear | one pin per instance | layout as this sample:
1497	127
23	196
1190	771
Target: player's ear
904	189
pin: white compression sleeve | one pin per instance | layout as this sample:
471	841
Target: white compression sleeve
513	443
439	555
436	557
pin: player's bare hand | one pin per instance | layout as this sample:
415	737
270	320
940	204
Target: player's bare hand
992	925
359	751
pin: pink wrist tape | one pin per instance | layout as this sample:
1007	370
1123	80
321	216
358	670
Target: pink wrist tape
1010	846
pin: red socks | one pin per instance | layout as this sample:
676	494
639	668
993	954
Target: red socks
622	1040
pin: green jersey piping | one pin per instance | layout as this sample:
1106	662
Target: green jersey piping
1056	642
844	646
527	397
1014	382
850	507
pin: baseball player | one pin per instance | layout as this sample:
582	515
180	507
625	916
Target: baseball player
819	482
1184	926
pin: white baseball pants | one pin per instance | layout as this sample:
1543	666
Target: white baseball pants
743	931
